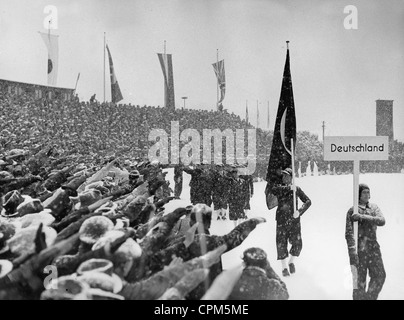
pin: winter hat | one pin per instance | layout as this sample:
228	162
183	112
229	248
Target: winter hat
287	171
29	206
94	228
11	201
67	288
362	187
89	197
96	265
255	257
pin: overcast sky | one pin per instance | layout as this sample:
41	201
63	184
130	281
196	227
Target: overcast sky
337	74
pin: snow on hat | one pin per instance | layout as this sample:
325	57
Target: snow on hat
287	171
254	255
94	228
362	187
67	288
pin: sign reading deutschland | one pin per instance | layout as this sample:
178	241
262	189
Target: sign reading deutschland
356	148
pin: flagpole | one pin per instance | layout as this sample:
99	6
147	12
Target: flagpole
75	87
165	47
293	175
104	66
217	85
257	114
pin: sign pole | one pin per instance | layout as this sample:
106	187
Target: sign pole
356	198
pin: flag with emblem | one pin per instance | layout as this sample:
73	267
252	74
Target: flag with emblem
285	130
221	79
52	44
116	94
166	63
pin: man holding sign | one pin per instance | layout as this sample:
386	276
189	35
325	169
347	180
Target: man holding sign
366	254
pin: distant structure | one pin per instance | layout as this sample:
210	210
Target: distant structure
36	91
384	119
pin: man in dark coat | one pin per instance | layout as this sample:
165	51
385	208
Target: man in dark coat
258	280
220	190
237	197
365	255
288	227
178	181
248	192
200	184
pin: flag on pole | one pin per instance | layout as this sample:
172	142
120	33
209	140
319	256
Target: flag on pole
52	43
167	67
285	130
116	94
221	78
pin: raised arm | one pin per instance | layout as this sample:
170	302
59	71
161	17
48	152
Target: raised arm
241	232
305	199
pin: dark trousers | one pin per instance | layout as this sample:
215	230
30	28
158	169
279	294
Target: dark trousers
370	259
288	231
178	188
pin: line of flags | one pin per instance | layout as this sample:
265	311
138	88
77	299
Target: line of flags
51	42
284	131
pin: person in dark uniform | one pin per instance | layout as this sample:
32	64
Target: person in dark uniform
248	192
365	255
220	192
258	280
178	181
200	184
288	227
236	198
194	182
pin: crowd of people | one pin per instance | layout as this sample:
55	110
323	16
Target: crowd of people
83	213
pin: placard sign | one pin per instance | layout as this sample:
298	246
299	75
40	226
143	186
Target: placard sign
356	148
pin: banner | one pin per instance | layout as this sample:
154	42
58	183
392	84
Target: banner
52	44
116	94
221	79
285	130
167	67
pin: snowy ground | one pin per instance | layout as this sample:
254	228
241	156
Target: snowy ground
323	267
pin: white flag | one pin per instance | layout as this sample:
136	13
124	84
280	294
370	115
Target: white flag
51	42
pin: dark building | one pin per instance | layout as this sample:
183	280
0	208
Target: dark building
35	90
384	119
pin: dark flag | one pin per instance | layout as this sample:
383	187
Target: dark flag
221	78
167	67
285	130
116	94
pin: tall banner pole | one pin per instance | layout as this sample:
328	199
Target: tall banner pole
356	198
217	84
104	66
293	176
